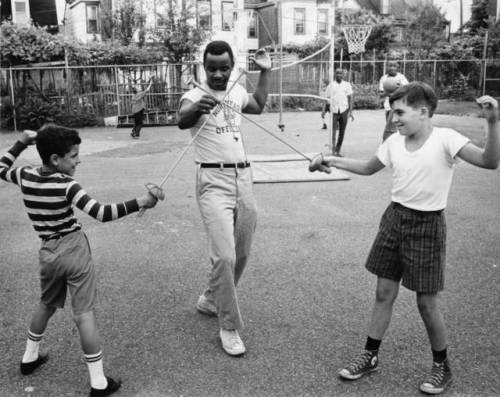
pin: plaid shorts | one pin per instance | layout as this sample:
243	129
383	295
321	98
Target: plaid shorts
410	246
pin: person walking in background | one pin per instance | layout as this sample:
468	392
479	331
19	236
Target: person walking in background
340	94
138	107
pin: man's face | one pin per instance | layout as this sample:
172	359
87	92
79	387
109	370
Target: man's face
392	68
409	120
339	74
67	164
218	68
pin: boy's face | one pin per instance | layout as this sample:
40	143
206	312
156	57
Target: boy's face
409	120
218	68
67	164
392	68
339	74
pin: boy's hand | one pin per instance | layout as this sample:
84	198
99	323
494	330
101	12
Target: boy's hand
489	108
147	201
206	104
262	60
28	137
318	163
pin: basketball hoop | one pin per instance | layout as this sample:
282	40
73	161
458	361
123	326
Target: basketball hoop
356	36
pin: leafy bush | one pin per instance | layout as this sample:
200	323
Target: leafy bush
34	112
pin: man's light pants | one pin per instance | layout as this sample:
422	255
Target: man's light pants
229	212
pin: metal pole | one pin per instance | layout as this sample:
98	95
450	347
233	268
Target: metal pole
117	91
331	142
13	98
281	126
485	50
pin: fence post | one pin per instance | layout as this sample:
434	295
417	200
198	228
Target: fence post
13	98
435	74
117	91
404	63
485	50
374	66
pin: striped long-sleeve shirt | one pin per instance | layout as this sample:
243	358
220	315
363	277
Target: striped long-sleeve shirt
49	198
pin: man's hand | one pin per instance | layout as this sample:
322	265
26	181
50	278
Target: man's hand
206	104
489	108
350	115
28	137
262	60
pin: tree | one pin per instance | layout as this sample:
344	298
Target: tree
479	17
426	27
122	23
181	37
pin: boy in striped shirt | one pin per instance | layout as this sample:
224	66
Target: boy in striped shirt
49	194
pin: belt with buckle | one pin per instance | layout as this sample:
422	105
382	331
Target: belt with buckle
243	164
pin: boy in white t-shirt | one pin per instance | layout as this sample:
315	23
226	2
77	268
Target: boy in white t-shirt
411	243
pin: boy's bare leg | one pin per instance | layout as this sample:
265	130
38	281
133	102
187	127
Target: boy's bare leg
428	306
38	324
385	295
91	346
440	376
89	334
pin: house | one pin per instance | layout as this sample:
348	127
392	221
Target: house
82	20
39	12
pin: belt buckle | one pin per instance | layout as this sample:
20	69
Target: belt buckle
221	165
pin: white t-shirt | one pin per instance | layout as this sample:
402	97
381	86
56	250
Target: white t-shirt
421	179
220	139
400	78
339	92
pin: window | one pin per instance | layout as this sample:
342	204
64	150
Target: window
92	19
252	24
384	6
20	12
322	21
204	14
227	12
299	20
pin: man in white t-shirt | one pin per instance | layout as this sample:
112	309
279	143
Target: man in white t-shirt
339	93
410	246
224	180
392	72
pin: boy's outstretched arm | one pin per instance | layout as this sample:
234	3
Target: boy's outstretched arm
361	167
489	156
107	212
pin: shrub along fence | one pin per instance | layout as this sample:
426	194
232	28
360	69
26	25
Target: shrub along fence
81	96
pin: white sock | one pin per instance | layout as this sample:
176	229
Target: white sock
32	347
96	371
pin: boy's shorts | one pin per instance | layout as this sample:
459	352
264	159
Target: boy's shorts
410	246
66	263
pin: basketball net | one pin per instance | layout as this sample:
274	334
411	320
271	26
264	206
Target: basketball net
356	36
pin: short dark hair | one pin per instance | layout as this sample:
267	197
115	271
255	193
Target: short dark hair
416	94
218	47
55	139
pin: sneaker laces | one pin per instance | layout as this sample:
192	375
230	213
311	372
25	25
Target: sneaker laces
233	338
360	362
437	374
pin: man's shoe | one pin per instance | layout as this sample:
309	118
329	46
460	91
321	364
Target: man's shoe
438	380
28	368
364	364
231	342
324	127
113	385
205	306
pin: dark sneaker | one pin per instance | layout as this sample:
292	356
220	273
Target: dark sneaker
28	368
113	385
324	127
438	380
366	362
